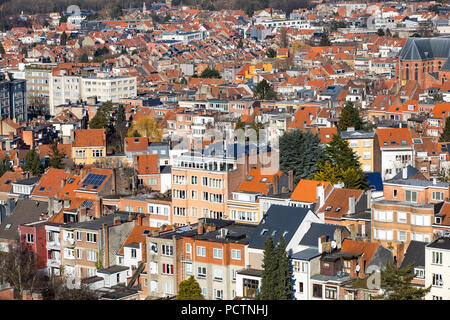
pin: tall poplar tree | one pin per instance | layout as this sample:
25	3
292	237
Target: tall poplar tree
269	274
283	288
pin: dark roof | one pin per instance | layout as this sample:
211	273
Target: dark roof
411	172
166	169
112	269
415	254
278	221
96	224
120	294
306	254
28	182
380	259
425	48
374	179
316	230
441	243
26	211
251	272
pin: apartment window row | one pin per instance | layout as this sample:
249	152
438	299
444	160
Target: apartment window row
437	280
244	215
212	183
212	197
153	209
167	269
179	179
437	196
166	250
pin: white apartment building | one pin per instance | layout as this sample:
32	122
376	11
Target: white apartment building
437	266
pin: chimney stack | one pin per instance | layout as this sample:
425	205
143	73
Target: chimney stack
291	180
322	241
63	183
338	238
200	226
405	173
320	195
139	220
351	205
106	244
98	207
117	220
275	184
130	217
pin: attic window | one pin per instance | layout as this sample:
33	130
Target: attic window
8	182
263	179
264	231
41	188
285	233
8	226
136	140
338	209
437	220
70	181
328	208
250	178
403	142
393	142
385	143
273	233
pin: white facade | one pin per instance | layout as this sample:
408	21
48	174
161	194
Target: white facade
437	273
53	246
393	160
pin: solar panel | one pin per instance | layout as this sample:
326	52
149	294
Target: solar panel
87	204
94	179
70	181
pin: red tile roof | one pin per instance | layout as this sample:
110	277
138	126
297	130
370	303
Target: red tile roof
89	138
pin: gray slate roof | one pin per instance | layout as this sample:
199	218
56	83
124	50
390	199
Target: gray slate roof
26	211
415	254
316	230
379	259
306	254
442	243
425	48
277	221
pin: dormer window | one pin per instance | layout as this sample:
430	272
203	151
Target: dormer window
328	208
437	220
338	209
264	231
263	180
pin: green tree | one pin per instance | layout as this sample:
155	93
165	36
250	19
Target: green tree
380	32
5	165
210	73
339	153
269	273
300	152
121	121
396	284
102	119
57	157
33	163
445	135
328	172
324	40
283	287
63	38
167	18
239	124
350	117
63	19
271	53
84	58
2	49
388	32
264	91
240	44
190	290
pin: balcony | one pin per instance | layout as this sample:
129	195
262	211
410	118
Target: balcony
53	245
54	263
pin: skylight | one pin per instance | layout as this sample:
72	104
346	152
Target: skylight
263	179
250	178
8	182
8	226
338	209
328	208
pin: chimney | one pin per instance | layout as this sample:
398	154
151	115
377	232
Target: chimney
320	195
106	243
369	199
405	173
113	177
338	238
98	207
434	180
291	180
117	220
139	220
275	184
63	183
321	242
130	217
351	205
200	226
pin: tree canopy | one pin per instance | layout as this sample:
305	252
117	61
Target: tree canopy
271	53
210	73
189	289
33	163
324	40
265	91
350	118
396	284
300	152
146	127
57	157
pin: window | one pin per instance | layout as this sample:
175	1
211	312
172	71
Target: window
79	253
437	298
193	195
235	254
30	237
438	196
201	272
395	193
133	253
194	180
411	196
233	274
217	253
188	248
384	216
78	235
218	274
152	182
401	217
420	220
250	287
300	287
167	268
218	294
188	268
402	236
420	273
91	255
201	251
437	280
330	292
194	211
437	257
317	290
91	237
167	250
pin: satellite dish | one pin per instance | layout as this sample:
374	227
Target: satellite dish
333	244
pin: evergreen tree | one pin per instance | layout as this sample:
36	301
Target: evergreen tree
5	165
271	53
121	121
239	124
210	73
33	163
445	135
283	288
380	32
339	153
388	32
63	39
269	273
2	49
265	91
57	157
300	151
328	172
84	58
190	290
396	284
324	40
350	118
